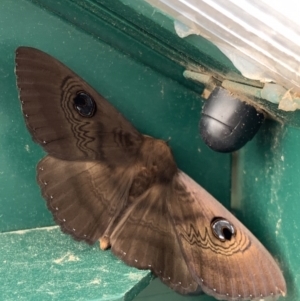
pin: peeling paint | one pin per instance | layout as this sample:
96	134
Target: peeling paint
66	258
20	232
288	102
96	281
133	276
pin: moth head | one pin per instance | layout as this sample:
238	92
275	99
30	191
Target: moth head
84	104
222	229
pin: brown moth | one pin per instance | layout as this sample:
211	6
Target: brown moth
103	180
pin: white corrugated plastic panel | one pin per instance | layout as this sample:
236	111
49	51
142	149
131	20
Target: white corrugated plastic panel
261	37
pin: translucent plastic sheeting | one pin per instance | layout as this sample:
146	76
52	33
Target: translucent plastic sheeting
260	37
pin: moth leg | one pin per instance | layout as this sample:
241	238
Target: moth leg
104	242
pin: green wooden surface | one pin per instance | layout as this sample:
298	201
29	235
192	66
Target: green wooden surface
266	196
144	33
47	265
157	105
156	291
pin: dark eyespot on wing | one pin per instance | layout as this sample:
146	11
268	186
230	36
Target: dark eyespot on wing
84	104
222	229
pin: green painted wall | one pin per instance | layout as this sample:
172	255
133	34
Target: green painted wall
267	194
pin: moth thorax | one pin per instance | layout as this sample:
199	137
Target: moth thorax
157	157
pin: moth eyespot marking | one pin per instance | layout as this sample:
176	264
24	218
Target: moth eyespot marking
136	260
84	104
222	229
